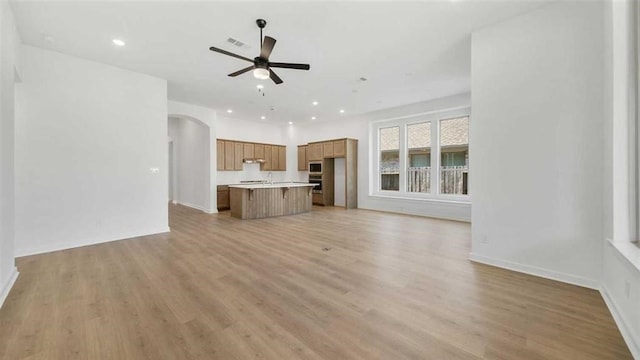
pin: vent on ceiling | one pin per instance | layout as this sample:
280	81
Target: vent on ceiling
237	43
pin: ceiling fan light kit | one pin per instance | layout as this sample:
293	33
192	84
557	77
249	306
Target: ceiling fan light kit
261	73
261	64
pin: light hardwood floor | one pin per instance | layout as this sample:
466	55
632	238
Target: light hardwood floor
388	287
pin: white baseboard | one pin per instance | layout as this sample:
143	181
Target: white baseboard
626	332
536	271
197	207
69	245
6	288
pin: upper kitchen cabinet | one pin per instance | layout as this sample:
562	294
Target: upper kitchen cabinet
220	154
339	148
314	152
282	158
258	151
327	149
275	158
238	150
266	166
231	155
302	157
248	151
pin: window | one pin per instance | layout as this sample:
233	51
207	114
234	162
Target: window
423	156
419	152
390	158
454	155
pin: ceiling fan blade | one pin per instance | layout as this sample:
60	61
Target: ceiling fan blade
229	53
242	71
276	79
290	66
267	46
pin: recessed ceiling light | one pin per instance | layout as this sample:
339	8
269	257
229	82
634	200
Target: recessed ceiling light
260	86
290	122
118	42
315	103
229	111
263	117
313	118
341	111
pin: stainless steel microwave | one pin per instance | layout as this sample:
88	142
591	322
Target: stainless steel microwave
315	167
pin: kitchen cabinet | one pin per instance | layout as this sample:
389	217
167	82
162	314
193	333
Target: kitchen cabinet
220	154
248	151
228	155
339	148
327	149
302	157
314	152
223	197
258	151
275	163
267	159
282	158
238	151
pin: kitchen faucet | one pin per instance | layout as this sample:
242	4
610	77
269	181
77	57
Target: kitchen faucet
270	178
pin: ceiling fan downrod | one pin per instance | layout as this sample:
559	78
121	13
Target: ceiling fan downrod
261	24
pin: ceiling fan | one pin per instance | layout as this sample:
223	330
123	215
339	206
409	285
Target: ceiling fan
261	65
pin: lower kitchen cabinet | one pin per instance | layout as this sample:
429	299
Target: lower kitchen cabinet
223	197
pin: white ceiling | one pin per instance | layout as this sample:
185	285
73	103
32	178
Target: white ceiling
408	51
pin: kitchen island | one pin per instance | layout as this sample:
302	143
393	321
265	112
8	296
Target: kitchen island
256	201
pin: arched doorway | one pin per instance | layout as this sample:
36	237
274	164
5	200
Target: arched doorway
189	162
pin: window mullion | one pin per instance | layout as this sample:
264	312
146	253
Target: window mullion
403	159
435	157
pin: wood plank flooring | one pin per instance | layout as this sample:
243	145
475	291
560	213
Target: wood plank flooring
328	284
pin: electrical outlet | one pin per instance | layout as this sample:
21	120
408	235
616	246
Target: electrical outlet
484	239
627	289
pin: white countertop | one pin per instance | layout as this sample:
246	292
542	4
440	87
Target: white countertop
269	186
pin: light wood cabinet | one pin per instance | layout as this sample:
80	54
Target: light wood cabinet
275	159
302	157
314	152
282	158
267	159
248	151
223	197
339	148
258	151
228	155
327	149
220	155
238	154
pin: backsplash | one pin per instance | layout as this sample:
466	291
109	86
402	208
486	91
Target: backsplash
252	172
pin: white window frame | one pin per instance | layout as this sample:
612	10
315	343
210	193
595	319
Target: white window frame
434	117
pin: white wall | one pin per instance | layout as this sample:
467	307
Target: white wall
357	127
9	67
536	143
191	148
87	137
621	279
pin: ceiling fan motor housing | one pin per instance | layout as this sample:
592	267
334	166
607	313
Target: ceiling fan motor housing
260	62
